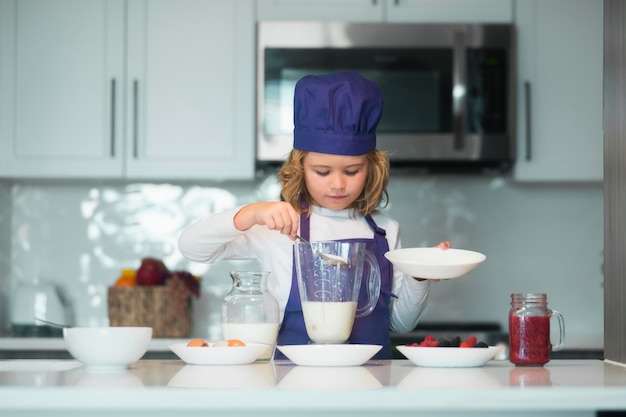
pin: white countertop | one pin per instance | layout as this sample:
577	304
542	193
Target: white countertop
150	387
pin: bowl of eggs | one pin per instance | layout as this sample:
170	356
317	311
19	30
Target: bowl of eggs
223	352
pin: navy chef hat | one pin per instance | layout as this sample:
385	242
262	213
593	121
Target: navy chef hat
336	113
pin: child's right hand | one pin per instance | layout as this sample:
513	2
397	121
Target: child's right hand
275	215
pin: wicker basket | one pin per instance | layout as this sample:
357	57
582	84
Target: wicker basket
152	306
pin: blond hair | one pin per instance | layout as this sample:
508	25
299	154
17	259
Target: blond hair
294	191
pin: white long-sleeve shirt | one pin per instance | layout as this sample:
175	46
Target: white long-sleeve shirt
215	238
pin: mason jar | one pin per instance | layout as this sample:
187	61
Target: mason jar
529	330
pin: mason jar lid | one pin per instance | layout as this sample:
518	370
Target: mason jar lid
528	298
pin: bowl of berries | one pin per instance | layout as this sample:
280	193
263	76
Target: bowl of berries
449	353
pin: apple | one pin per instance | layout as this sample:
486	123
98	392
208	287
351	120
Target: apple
191	283
152	272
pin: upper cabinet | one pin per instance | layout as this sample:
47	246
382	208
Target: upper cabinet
131	89
61	88
559	90
485	11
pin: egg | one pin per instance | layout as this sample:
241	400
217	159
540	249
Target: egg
197	343
235	342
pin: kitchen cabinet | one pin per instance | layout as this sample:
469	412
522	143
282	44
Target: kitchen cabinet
559	90
131	89
60	67
430	11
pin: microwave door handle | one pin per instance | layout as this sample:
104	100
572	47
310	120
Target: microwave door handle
458	90
528	124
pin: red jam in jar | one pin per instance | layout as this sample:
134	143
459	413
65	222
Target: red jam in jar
529	340
529	330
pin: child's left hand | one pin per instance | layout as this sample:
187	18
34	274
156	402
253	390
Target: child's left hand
443	245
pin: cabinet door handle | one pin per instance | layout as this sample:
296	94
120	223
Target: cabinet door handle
113	121
528	120
135	118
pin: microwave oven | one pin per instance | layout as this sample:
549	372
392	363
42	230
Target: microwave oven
448	89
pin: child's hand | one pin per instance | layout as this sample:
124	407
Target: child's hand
443	245
275	215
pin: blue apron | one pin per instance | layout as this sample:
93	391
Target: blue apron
371	329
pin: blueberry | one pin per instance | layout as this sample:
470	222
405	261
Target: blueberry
455	342
443	342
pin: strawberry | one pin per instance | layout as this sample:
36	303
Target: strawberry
429	341
470	342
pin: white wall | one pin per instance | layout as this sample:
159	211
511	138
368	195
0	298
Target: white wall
537	238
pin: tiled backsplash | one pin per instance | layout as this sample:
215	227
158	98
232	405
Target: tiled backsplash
537	238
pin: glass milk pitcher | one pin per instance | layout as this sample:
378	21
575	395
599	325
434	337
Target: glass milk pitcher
249	312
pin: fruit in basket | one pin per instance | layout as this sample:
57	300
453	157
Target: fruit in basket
151	272
153	296
191	282
128	278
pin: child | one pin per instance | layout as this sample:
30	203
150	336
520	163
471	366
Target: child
333	181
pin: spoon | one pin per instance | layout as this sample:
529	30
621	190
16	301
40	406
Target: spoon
50	323
327	257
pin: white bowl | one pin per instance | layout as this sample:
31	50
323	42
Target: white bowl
435	263
449	357
107	347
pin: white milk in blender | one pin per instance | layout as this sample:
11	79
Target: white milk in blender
253	332
328	322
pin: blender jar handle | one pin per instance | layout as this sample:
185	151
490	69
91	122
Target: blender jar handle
559	317
373	286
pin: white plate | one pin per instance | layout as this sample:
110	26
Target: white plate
329	355
221	355
435	263
449	357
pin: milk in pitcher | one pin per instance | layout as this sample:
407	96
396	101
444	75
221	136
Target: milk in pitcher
253	332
